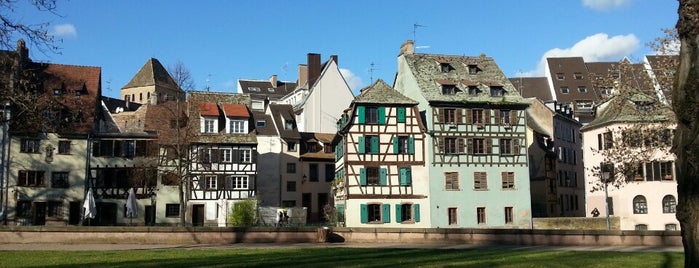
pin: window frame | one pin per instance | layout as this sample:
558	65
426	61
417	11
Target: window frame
172	210
481	215
60	179
30	146
210	182
669	204
236	126
64	147
209	125
452	216
451	181
640	205
508	180
239	182
509	215
480	180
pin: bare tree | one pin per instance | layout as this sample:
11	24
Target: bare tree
182	76
37	34
686	142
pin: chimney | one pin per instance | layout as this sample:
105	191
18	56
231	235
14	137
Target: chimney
273	80
334	58
313	68
303	74
408	47
22	52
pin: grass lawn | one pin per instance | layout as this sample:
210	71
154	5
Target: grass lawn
337	257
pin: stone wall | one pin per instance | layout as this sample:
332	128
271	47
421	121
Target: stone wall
575	223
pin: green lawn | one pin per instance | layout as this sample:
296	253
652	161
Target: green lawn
337	257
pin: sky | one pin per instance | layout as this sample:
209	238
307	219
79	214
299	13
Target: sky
222	41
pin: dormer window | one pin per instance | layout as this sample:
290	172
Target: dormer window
238	126
445	67
473	90
261	123
615	75
583	104
644	106
497	91
57	91
449	89
565	90
577	76
473	69
560	76
312	147
288	124
209	125
582	89
254	89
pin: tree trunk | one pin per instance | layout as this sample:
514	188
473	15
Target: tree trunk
686	141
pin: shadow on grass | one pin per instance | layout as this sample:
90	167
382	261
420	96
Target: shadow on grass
338	257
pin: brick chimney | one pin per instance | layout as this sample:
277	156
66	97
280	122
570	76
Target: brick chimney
313	68
408	47
273	80
334	58
303	74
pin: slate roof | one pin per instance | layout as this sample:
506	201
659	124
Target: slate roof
266	89
152	73
533	87
381	93
568	67
428	74
112	104
320	139
282	113
625	109
269	129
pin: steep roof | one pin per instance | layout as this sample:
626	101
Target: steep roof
632	107
262	89
532	87
235	110
571	73
151	74
208	109
268	129
281	114
464	71
381	93
201	103
321	140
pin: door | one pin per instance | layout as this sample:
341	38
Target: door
322	201
150	215
74	209
306	202
198	215
106	214
39	213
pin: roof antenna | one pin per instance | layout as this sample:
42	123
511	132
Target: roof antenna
371	72
208	79
415	26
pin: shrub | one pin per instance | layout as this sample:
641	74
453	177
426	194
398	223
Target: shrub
243	213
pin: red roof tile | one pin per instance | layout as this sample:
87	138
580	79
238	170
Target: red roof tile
235	110
208	109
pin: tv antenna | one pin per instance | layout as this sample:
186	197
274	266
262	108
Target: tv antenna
371	72
415	26
208	79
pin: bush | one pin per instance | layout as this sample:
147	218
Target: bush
243	213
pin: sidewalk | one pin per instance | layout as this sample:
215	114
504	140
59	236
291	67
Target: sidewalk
113	247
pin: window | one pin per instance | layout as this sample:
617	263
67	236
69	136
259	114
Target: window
24	209
291	146
209	125
497	91
237	126
172	210
312	147
560	76
582	89
506	147
254	89
327	148
479	146
211	182
405	176
369	144
477	116
291	186
640	206
565	90
670	227
505	118
30	178
448	116
445	67
584	104
452	216
290	167
669	204
403	145
451	146
480	214
59	180
449	89
473	90
577	76
288	124
641	227
404	212
239	182
245	155
605	91
63	147
313	172
473	69
261	123
451	180
605	141
54	209
329	172
480	180
509	216
508	180
371	115
30	146
371	176
374	212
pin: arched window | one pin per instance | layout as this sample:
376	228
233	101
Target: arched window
669	204
640	206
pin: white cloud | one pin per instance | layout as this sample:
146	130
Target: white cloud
598	47
353	81
64	30
605	4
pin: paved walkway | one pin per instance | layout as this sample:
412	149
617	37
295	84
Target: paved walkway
111	247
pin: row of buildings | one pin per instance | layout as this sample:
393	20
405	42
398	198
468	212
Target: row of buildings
452	143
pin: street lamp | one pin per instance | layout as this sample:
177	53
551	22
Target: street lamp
605	179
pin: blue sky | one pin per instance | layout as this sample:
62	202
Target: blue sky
223	41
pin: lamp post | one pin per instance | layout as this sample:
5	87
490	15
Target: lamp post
605	178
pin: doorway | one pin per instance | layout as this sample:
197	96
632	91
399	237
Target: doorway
74	209
150	215
39	213
198	215
106	214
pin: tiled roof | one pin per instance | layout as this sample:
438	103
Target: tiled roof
281	114
268	129
262	89
320	139
208	109
112	105
563	73
209	100
152	73
381	93
536	87
235	110
427	72
626	109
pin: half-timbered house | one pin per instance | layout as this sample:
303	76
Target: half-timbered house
476	123
223	168
381	175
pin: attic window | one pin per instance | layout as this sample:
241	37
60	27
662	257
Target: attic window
615	75
497	91
583	104
254	89
577	76
261	123
473	69
473	90
582	89
565	90
560	76
270	89
449	89
445	67
605	91
57	91
288	124
644	106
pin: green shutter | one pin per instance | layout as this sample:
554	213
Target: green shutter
360	114
411	145
386	213
375	145
382	115
403	177
364	213
382	176
362	176
408	176
400	111
399	216
395	144
361	146
416	212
